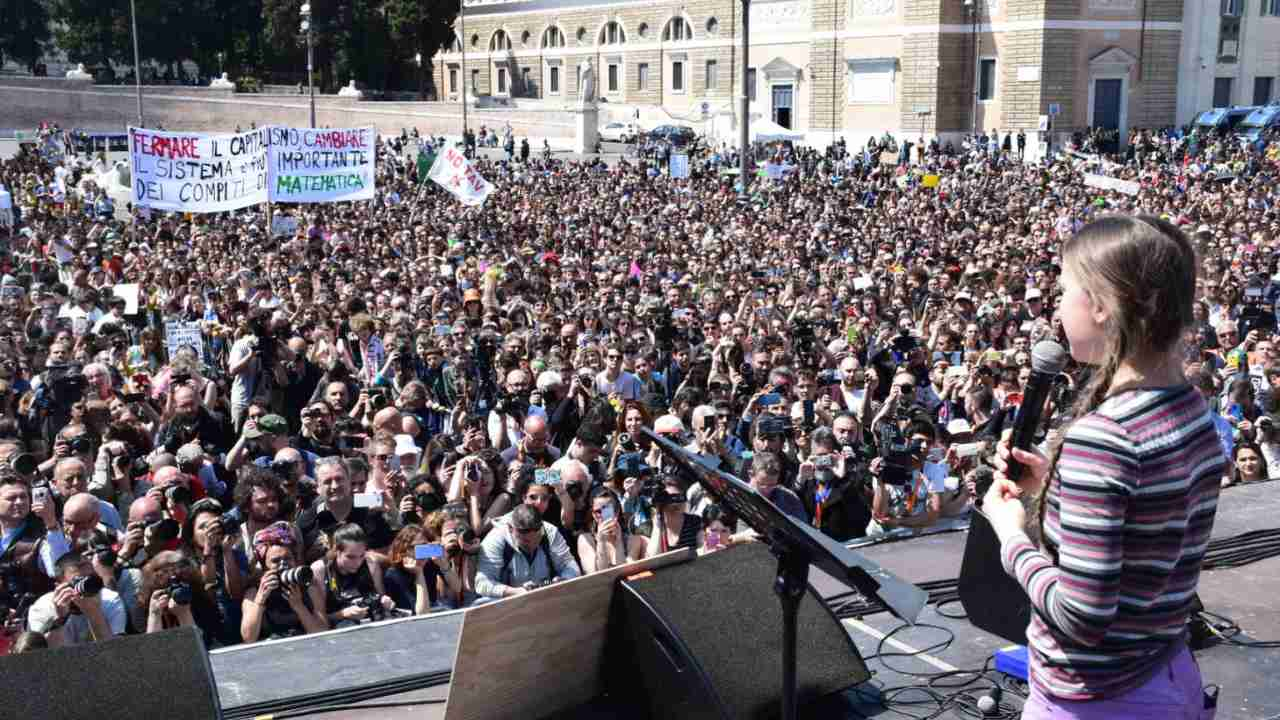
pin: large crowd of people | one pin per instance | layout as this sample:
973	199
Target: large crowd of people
409	404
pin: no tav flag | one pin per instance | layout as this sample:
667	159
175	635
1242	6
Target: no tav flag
453	172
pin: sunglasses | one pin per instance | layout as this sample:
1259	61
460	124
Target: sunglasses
528	531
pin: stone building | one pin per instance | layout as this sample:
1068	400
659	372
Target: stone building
828	68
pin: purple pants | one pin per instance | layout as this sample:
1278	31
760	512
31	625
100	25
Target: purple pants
1174	692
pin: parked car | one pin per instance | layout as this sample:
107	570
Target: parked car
622	132
677	135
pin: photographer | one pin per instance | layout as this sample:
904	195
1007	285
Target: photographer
352	581
605	541
29	546
474	485
210	536
79	610
173	595
908	484
508	416
120	474
833	488
187	420
246	367
523	554
281	600
318	431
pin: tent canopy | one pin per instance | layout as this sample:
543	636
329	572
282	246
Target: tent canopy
724	128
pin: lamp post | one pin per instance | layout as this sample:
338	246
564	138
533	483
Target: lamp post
137	62
744	136
221	67
305	12
417	59
972	7
462	41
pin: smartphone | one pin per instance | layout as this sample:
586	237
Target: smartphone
772	398
442	330
965	450
553	477
368	499
758	294
711	540
606	513
429	551
958	371
539	477
823	461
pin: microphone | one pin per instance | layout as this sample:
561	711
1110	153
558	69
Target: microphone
989	704
1048	358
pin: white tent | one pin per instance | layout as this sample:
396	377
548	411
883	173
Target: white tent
724	128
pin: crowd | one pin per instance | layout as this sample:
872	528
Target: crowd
409	404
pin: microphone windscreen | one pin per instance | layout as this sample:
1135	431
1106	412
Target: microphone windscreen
1048	357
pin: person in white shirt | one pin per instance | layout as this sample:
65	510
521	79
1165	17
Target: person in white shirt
68	616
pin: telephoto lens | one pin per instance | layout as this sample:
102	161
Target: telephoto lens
87	585
296	577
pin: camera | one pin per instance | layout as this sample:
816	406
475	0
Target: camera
898	454
627	443
377	398
372	604
804	340
230	522
296	577
23	463
164	530
177	495
179	591
87	585
79	444
66	385
904	342
180	378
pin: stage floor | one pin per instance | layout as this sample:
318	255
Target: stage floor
1249	678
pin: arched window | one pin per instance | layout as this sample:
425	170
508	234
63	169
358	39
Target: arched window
500	41
677	29
612	34
552	37
713	26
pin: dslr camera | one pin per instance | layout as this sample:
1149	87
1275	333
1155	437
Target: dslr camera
899	454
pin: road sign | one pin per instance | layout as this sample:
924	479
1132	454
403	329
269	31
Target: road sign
1055	108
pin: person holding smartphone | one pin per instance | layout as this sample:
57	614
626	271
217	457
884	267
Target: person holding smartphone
605	542
419	576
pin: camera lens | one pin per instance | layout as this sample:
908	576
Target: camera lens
296	577
87	585
179	592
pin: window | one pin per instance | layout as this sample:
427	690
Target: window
986	79
1229	39
475	40
552	37
1262	90
612	34
526	80
1232	8
524	38
475	80
751	84
613	78
499	42
712	72
872	81
643	30
453	80
642	71
1222	92
582	35
1271	7
713	26
677	29
677	76
502	80
553	80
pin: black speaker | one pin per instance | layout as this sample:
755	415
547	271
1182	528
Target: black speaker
702	639
161	675
992	599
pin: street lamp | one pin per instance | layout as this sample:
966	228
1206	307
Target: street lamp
417	59
305	12
744	137
137	63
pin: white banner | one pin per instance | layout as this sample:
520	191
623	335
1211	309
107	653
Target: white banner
1128	187
315	166
284	225
679	166
453	172
177	334
198	172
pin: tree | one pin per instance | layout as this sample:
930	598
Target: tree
24	31
95	32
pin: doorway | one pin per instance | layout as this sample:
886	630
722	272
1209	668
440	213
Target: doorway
1106	103
783	96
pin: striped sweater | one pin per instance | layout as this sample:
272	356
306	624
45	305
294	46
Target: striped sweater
1129	511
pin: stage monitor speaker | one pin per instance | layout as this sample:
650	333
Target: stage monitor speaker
991	598
703	640
161	675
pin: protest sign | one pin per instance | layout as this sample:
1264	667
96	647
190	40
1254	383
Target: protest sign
929	181
128	291
1128	187
177	334
453	172
679	166
198	172
283	225
6	208
315	166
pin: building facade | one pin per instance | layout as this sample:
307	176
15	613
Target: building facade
1230	55
828	68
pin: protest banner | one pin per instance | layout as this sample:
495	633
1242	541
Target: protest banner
283	225
316	166
679	166
1128	187
453	172
128	291
198	172
177	334
425	161
6	208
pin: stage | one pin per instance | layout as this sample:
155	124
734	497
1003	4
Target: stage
421	650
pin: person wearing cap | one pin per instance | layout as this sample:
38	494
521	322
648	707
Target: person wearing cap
261	438
523	554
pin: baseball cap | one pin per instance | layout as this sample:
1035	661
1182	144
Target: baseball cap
1033	294
268	425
